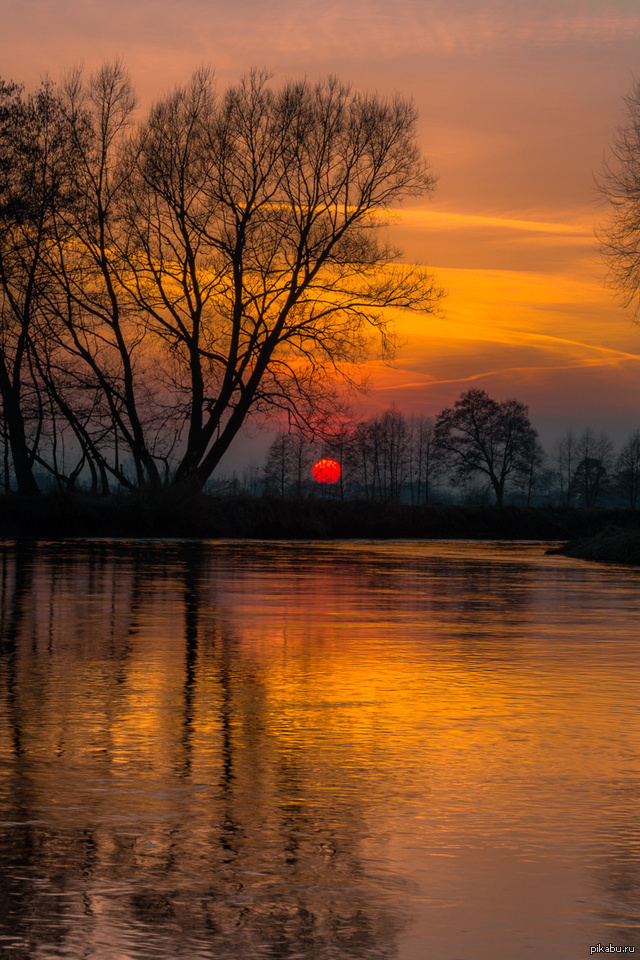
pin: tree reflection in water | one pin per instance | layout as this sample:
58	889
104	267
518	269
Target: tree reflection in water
148	809
315	751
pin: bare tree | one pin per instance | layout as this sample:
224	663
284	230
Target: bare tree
620	184
253	248
426	464
335	441
378	456
100	339
594	460
389	457
532	458
276	474
481	437
162	281
628	469
395	453
357	459
30	178
288	465
565	456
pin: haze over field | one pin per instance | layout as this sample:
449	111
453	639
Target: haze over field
518	102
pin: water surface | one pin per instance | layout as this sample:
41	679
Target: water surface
347	750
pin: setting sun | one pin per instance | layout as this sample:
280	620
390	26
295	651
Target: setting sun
326	471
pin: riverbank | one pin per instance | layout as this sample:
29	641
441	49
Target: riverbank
56	516
612	545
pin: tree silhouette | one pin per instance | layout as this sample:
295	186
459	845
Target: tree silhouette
628	467
220	258
100	338
253	251
565	456
287	470
594	458
480	436
30	181
620	184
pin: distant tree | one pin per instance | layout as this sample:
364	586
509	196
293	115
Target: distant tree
594	459
480	436
589	480
378	456
357	459
276	475
628	470
564	458
335	442
393	454
288	465
528	477
251	480
389	457
426	465
547	485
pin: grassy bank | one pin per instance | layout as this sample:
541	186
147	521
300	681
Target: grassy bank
54	516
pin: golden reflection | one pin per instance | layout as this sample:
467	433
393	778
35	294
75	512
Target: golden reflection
238	746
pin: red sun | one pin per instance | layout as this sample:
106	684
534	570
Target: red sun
326	471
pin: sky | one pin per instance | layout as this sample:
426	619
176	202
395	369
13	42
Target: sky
518	101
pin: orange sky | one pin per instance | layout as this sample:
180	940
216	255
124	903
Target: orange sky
518	100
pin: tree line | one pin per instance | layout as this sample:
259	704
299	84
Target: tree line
162	278
478	450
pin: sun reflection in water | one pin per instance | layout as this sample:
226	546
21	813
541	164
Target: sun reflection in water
316	750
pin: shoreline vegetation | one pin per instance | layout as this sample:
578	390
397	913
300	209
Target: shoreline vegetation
611	545
608	535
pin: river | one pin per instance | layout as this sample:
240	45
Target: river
346	750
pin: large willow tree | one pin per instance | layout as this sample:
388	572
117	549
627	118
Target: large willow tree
223	256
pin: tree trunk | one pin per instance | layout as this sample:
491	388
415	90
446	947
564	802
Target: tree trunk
22	463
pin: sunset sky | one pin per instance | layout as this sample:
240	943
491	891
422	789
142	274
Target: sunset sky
518	101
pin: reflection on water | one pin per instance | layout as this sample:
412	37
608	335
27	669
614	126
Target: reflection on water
352	750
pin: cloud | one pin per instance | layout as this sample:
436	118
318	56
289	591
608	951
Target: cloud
446	27
250	31
436	26
444	220
554	342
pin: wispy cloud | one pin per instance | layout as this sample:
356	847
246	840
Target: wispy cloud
445	26
285	29
540	370
442	220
